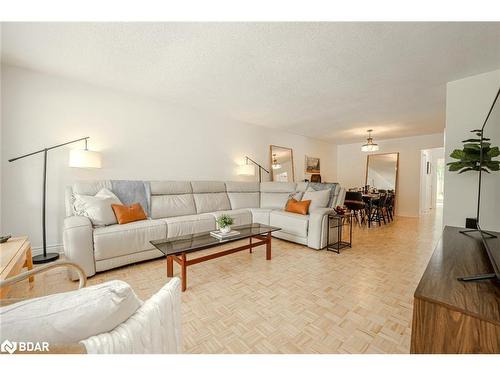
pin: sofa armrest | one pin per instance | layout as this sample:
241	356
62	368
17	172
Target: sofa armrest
78	243
156	327
318	223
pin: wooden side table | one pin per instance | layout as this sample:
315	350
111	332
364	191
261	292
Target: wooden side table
15	254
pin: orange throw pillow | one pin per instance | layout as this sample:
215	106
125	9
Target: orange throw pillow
298	207
128	214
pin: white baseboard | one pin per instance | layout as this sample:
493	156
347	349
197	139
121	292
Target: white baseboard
58	248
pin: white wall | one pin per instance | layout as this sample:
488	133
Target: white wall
139	137
351	167
467	103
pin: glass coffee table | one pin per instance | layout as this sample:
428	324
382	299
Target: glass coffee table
176	248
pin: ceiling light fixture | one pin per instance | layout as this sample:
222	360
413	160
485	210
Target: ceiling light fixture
369	145
276	165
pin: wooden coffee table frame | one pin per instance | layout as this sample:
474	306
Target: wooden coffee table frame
17	256
180	258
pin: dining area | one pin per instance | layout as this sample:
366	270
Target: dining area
374	204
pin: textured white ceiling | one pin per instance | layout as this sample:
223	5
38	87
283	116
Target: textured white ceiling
330	81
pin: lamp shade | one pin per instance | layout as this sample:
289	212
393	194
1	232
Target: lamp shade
246	170
84	159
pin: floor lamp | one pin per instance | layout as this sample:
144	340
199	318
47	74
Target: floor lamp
249	169
78	158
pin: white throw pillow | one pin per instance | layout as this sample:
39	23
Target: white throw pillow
69	317
318	198
98	207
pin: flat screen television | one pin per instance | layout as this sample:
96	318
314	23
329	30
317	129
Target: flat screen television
488	200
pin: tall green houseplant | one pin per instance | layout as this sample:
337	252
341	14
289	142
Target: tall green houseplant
469	157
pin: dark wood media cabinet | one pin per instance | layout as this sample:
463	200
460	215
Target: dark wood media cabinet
451	316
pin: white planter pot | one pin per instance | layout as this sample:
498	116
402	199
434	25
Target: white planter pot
225	229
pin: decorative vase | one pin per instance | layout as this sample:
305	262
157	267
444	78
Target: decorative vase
226	229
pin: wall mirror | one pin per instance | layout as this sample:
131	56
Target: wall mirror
281	164
382	171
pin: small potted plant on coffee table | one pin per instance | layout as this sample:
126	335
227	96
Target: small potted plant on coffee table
224	222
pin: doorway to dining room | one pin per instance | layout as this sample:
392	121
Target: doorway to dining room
431	179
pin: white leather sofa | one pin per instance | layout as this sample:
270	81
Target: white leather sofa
186	207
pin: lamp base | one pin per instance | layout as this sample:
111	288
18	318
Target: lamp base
49	257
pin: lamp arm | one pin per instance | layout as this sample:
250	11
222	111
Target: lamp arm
257	164
50	148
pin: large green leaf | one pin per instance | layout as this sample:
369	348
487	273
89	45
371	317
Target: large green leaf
468	169
471	146
470	157
493	166
456	166
494	152
457	154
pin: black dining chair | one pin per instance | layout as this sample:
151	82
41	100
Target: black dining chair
377	211
354	202
315	178
389	206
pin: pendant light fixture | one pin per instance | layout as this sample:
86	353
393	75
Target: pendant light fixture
276	165
369	145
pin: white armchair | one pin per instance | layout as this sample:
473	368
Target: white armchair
106	318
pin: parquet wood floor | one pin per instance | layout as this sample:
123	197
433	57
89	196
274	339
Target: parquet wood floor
302	301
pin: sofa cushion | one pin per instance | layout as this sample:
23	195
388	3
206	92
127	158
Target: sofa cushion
210	196
260	215
244	200
243	194
69	317
118	240
294	224
211	202
274	200
182	225
242	186
170	187
275	194
208	186
172	205
319	198
241	217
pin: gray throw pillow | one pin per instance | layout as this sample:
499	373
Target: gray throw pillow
319	198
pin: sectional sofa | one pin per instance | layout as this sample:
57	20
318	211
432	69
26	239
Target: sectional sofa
185	207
